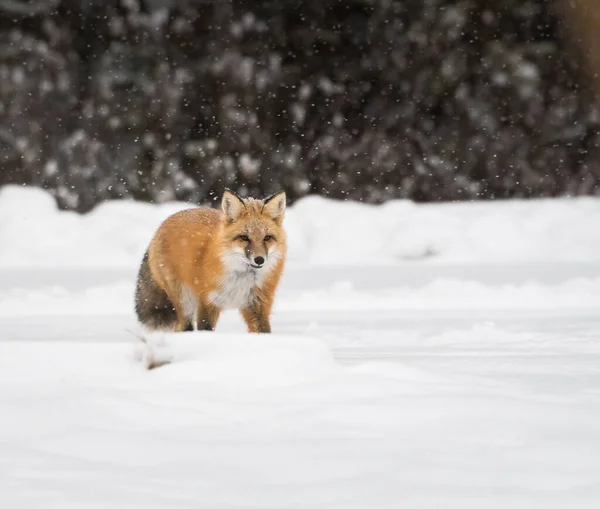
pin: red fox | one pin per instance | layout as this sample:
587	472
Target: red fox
203	260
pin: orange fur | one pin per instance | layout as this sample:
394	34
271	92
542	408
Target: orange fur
202	257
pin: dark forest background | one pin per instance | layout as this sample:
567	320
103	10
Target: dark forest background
353	99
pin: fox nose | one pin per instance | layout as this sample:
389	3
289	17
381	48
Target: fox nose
259	260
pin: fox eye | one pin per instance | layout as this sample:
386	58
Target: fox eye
245	238
268	238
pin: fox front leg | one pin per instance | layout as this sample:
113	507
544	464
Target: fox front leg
208	315
256	317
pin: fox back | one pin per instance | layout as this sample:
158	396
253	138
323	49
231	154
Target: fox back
202	260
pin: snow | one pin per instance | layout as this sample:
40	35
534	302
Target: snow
424	356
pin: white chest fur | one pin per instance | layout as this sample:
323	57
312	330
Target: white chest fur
239	283
236	289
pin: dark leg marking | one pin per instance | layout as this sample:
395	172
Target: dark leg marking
207	317
256	320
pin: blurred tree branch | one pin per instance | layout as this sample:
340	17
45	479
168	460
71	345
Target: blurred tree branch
27	7
583	20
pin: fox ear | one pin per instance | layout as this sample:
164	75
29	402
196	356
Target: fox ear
232	205
274	205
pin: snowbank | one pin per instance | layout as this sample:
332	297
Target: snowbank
454	294
34	233
116	299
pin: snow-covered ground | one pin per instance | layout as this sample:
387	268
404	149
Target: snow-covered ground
424	356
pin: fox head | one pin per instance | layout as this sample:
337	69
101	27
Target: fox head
253	230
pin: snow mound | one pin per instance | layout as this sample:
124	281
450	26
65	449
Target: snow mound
277	419
320	231
35	233
255	358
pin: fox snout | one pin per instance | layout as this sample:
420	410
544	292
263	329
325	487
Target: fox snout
256	258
